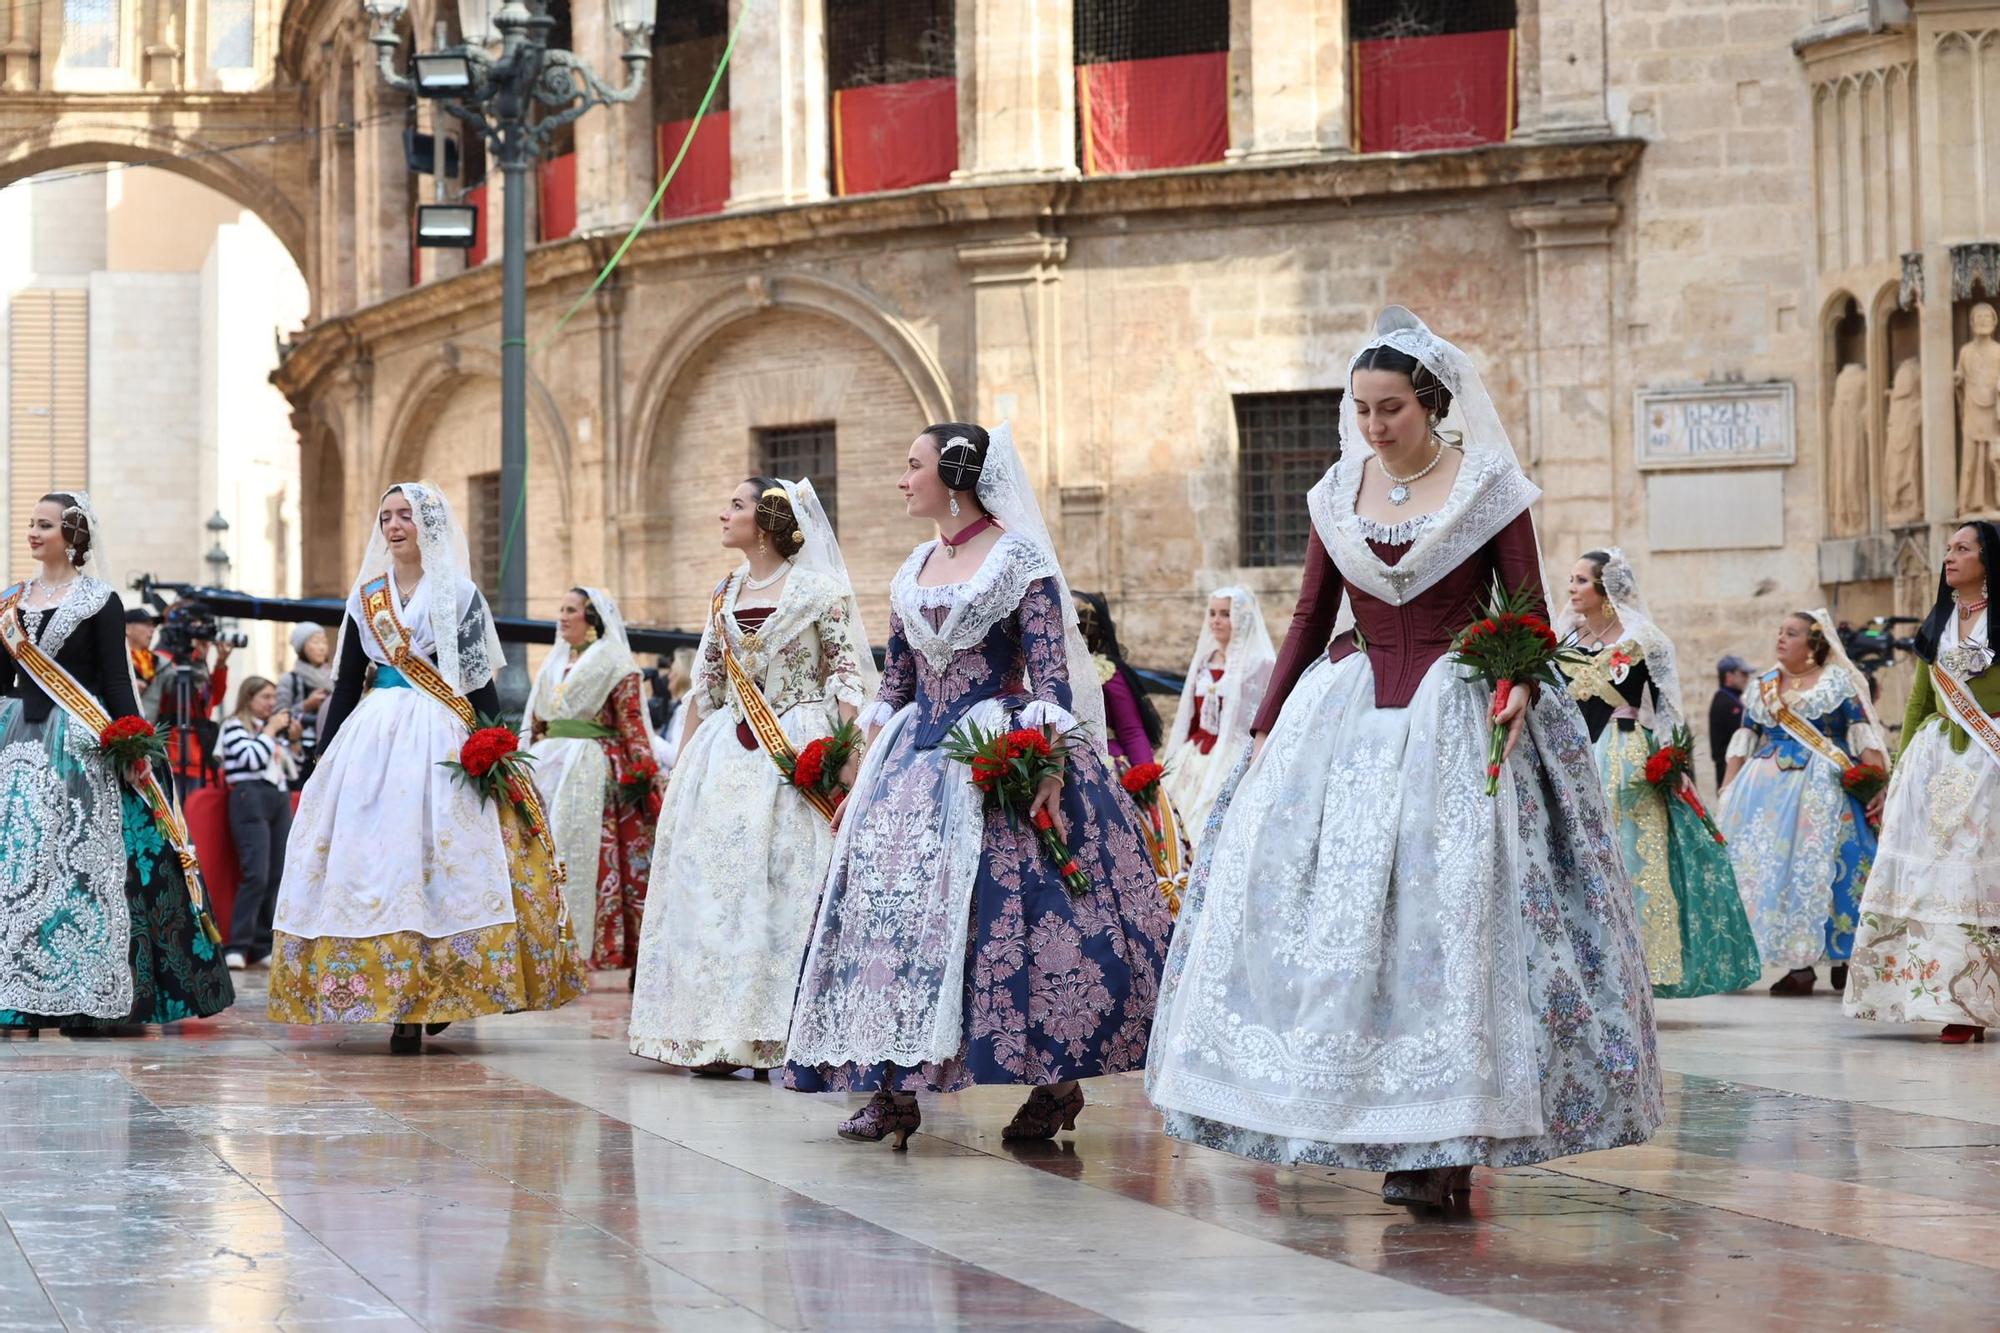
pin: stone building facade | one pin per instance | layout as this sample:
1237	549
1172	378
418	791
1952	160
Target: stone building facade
1699	213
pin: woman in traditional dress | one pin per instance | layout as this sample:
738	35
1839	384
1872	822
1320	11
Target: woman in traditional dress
948	950
1625	680
99	931
407	899
1800	843
595	767
742	852
1928	950
1380	966
1131	724
1223	690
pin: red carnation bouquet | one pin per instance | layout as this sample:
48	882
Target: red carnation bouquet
1007	768
131	742
1670	772
1864	782
635	783
817	767
492	763
1511	648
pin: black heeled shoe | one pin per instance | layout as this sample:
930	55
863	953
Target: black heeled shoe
406	1039
432	1029
1838	976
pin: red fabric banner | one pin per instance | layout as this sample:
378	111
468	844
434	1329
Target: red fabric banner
1423	94
476	196
558	182
702	183
895	136
206	810
1149	115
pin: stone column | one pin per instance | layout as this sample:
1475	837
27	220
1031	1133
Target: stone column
1287	79
1017	377
20	72
1567	447
615	158
778	136
1561	71
1016	89
381	186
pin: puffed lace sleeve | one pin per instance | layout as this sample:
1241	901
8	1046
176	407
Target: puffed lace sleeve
1042	645
711	677
899	677
843	667
1743	744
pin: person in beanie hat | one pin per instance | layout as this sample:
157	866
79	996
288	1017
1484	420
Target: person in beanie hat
304	690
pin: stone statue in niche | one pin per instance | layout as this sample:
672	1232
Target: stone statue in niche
1847	438
1977	378
1903	453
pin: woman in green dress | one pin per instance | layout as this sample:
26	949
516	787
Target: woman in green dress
1691	921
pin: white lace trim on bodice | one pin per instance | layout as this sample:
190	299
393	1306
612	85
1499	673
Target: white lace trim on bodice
1489	493
972	607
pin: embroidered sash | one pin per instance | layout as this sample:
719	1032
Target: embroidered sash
69	693
378	609
1959	705
1798	728
757	712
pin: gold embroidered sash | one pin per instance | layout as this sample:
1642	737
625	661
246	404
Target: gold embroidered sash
757	712
378	609
1798	728
1959	705
69	693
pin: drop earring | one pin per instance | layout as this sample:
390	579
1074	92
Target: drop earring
762	545
70	551
954	506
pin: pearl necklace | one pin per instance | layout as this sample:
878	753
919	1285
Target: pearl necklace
758	585
1399	494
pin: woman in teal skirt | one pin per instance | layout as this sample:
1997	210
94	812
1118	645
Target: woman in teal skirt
1691	920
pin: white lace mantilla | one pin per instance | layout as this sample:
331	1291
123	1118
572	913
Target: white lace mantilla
1833	688
1490	493
972	608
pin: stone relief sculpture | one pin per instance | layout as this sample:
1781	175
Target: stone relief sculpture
1903	449
1848	435
1977	377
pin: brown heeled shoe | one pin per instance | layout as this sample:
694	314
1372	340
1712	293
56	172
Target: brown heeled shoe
884	1115
1958	1034
1798	981
1434	1187
1043	1114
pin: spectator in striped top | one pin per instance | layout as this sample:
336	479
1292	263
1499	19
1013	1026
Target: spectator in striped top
258	747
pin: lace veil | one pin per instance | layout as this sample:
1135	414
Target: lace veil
1636	625
821	555
97	562
460	625
610	658
1249	653
1008	495
1837	656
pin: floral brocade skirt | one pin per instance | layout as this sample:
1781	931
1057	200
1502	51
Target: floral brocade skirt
1802	849
1691	922
528	963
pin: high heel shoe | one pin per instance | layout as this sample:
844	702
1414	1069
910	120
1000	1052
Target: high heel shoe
432	1029
1957	1034
1043	1114
1430	1188
1837	978
406	1039
884	1115
1798	981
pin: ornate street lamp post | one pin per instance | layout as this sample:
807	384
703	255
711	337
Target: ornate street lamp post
509	85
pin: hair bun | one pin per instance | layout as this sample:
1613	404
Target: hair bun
962	449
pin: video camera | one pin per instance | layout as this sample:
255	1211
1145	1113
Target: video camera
185	620
1874	645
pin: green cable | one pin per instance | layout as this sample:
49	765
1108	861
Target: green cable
604	275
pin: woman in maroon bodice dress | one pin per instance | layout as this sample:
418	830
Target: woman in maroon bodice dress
1379	965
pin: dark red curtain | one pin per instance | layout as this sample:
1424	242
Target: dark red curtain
702	183
476	196
1422	94
558	179
1147	115
893	136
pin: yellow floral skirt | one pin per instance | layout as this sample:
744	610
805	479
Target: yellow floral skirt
404	977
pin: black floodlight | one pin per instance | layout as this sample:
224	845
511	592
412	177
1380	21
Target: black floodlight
447	226
420	152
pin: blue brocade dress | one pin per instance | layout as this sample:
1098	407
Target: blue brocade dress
1802	847
947	951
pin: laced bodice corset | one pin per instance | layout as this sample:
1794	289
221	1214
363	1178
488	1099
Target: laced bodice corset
1020	657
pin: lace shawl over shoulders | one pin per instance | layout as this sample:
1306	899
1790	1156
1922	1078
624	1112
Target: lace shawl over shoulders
82	602
1489	493
1833	688
972	608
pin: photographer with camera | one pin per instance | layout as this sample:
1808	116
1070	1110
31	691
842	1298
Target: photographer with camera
304	690
191	683
260	749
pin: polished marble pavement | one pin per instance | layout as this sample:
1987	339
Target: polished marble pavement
525	1173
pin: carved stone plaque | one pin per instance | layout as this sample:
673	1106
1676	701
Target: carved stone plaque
1714	426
